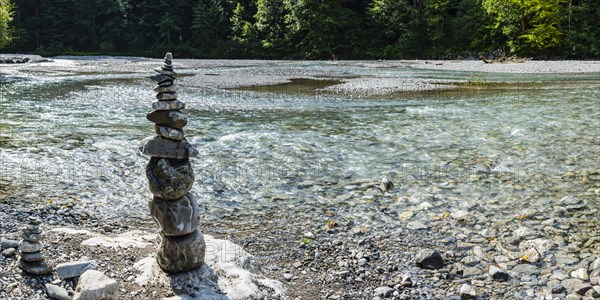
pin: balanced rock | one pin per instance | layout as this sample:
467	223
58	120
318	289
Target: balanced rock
30	249
169	178
168	105
165	72
169	133
165	83
32	257
32	237
170	88
166	96
176	217
172	119
35	268
160	78
178	254
157	146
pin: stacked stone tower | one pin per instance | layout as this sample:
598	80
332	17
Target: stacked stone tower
32	261
170	176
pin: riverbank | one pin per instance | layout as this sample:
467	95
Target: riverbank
502	182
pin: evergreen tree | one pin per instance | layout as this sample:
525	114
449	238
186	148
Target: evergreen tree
6	15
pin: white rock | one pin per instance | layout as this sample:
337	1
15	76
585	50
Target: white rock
580	274
131	239
595	264
383	291
467	292
95	285
238	276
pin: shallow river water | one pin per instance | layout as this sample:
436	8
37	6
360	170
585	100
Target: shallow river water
75	136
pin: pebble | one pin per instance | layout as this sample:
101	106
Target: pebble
288	276
467	292
9	252
56	292
497	274
383	291
429	259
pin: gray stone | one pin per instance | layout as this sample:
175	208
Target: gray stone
169	179
181	253
166	73
160	78
35	268
596	291
386	184
56	292
165	83
467	292
576	285
169	133
429	259
166	88
416	225
172	119
74	269
34	220
497	274
383	291
32	229
595	264
160	147
32	237
32	257
168	105
176	217
94	285
406	281
557	288
9	252
6	243
166	96
288	276
29	247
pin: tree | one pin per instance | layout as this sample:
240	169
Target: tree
209	25
243	34
6	17
270	25
531	26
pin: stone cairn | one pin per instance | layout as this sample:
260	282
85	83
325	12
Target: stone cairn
30	248
170	176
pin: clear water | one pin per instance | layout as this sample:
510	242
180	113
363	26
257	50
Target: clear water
74	137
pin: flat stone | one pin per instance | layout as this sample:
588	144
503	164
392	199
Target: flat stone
32	229
467	292
166	96
32	257
74	269
416	226
34	220
35	268
165	83
166	89
172	119
56	292
9	252
182	253
429	259
166	73
497	274
32	237
169	133
29	247
176	217
162	78
157	146
168	105
95	285
7	243
169	179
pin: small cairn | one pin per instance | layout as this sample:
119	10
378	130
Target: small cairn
30	249
170	176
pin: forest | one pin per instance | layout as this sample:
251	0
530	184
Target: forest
304	29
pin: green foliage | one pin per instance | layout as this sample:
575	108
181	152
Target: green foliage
6	16
311	29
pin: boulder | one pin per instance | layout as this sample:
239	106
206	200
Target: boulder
94	285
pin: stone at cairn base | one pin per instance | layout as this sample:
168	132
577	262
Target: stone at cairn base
182	253
35	268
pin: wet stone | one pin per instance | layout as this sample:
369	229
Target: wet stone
169	178
168	105
172	119
169	133
160	78
184	253
157	146
176	217
166	96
